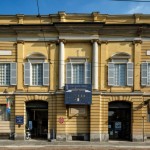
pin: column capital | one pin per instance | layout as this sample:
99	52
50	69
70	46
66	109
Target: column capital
62	40
95	40
137	42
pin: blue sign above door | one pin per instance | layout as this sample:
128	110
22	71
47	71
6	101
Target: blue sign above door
78	94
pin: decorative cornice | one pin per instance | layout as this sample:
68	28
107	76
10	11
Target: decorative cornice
137	18
20	42
20	18
137	42
104	42
95	16
62	16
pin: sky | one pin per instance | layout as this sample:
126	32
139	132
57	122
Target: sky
29	7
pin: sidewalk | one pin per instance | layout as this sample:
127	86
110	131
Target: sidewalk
75	144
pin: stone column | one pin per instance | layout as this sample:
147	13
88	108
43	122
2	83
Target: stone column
61	64
95	65
137	60
20	52
103	65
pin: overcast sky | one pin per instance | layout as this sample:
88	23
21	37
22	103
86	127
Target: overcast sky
11	7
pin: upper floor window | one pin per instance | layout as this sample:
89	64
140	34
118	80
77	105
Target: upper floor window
7	74
4	74
120	74
120	71
37	74
36	71
78	71
145	74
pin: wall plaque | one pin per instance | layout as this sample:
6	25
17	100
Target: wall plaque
19	119
3	52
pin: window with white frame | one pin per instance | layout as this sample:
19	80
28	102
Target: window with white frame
120	71
36	70
4	74
78	71
37	74
145	74
4	116
8	74
120	74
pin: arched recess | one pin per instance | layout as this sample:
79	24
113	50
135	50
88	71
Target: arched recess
37	118
119	120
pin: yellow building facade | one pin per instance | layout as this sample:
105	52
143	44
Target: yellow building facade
71	77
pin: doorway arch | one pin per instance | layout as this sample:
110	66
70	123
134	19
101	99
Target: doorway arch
37	118
119	120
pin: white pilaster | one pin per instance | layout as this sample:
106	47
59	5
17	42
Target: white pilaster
95	65
61	64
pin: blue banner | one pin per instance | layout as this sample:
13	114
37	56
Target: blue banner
78	94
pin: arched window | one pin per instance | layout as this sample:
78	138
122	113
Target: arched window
120	70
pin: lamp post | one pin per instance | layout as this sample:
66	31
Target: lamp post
143	128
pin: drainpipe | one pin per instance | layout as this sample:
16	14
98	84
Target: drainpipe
143	128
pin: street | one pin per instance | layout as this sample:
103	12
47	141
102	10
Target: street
45	145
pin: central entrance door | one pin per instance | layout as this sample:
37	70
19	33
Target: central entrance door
37	119
119	118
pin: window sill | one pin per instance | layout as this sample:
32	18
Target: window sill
120	86
37	85
7	85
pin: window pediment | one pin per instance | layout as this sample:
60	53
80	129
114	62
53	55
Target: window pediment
77	59
36	56
121	55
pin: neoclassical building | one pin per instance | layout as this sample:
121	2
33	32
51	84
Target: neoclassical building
70	77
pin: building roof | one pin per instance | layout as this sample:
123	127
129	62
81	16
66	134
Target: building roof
75	17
